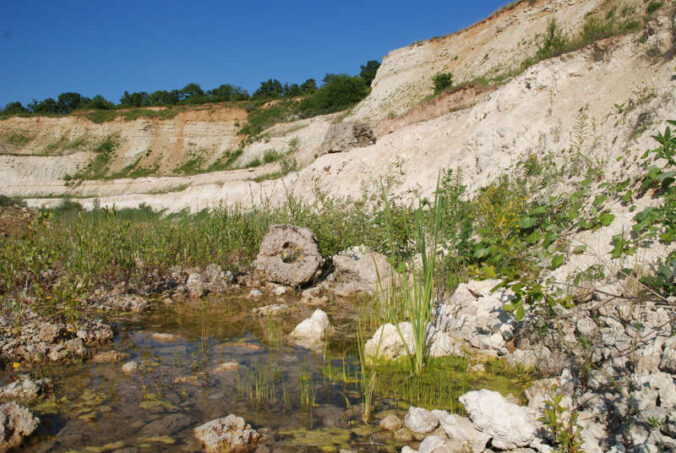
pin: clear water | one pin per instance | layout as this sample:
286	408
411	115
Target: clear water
284	389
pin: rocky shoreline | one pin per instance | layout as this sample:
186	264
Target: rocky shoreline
609	363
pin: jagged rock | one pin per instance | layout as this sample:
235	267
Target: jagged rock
475	315
343	137
313	331
289	255
391	423
420	420
358	271
24	389
441	344
16	423
461	429
654	388
229	433
387	341
95	332
215	279
509	425
195	286
668	360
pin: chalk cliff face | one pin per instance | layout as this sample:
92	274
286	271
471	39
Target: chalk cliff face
484	130
487	49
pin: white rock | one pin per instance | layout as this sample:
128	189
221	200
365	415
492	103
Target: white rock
430	444
509	425
255	294
195	286
462	429
420	420
229	433
387	341
407	449
313	331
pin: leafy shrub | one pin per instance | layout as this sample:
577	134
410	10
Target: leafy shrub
442	81
653	6
339	92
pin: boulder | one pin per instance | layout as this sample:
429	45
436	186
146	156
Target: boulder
358	271
507	424
289	255
229	433
387	341
313	331
462	430
420	420
343	137
130	367
16	423
431	444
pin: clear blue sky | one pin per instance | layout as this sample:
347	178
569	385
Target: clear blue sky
106	47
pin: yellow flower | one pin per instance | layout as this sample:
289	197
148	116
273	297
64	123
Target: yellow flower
16	365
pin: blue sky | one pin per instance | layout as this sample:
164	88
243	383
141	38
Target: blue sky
106	47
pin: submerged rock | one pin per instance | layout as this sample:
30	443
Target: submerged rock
229	433
391	423
272	310
16	423
109	357
508	425
289	255
130	367
312	332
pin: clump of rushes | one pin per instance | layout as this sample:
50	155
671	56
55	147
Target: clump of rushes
417	296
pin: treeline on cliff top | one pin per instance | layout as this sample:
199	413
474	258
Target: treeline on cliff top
336	91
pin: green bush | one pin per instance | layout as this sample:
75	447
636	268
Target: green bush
442	81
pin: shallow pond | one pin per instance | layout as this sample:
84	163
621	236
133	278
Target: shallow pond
302	400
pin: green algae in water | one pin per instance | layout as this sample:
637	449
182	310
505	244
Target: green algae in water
326	439
444	380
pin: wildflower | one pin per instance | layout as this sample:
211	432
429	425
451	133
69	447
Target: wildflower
16	365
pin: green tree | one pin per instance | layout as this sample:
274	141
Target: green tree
14	108
49	105
138	99
292	90
100	103
339	91
192	93
270	89
368	71
309	86
67	102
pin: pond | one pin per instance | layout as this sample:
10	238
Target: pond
214	357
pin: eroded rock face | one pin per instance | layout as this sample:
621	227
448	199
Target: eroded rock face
507	424
16	423
289	255
359	271
313	331
343	137
229	433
